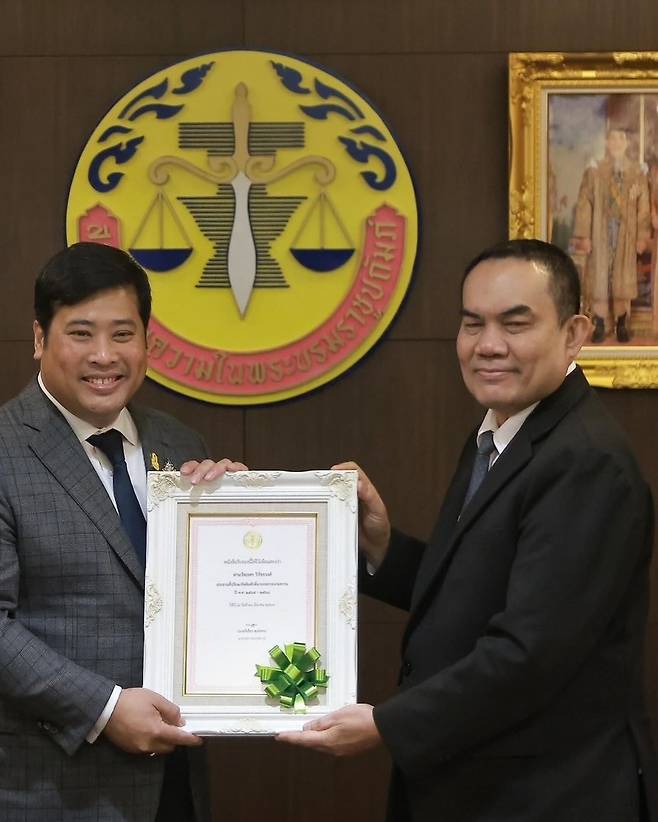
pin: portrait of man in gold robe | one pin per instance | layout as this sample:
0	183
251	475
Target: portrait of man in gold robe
612	226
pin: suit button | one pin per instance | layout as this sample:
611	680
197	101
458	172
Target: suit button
48	727
407	668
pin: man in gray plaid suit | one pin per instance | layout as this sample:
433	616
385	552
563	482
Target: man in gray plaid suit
79	736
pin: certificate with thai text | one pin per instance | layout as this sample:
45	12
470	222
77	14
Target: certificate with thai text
250	607
256	577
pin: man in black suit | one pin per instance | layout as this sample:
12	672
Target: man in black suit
521	682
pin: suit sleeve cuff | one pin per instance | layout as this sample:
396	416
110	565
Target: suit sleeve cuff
103	719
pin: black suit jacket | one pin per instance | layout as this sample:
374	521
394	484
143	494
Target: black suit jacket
521	681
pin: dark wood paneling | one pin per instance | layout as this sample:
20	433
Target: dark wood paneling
262	777
637	412
16	366
107	27
389	26
379	644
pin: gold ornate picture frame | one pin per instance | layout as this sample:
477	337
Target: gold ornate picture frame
584	175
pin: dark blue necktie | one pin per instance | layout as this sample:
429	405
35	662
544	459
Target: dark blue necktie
130	512
480	465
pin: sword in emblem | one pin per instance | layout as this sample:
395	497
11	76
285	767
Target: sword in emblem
242	170
241	247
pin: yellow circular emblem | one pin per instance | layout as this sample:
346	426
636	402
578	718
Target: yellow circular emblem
252	540
273	211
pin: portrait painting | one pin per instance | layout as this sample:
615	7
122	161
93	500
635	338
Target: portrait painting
584	176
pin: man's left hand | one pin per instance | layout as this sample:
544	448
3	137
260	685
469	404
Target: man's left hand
346	732
208	470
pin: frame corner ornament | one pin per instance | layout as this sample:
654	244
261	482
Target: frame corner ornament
342	485
161	486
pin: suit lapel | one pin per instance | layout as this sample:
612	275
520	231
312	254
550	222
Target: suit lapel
59	450
448	536
156	444
451	527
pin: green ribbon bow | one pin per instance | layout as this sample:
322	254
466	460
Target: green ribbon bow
297	678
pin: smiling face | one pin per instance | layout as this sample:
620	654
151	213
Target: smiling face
93	358
511	347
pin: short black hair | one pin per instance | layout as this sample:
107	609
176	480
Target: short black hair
564	282
82	270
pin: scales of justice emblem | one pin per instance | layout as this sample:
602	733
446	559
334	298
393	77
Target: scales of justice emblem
279	241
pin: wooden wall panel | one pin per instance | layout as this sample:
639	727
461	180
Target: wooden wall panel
437	71
105	27
392	27
261	777
16	367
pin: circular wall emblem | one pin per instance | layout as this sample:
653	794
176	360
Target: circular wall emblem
273	212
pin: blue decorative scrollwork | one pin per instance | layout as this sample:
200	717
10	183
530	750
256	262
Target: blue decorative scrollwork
120	153
291	78
326	92
124	151
358	150
371	130
155	91
162	112
111	131
321	112
192	78
362	152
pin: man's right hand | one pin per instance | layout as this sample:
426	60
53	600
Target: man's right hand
374	525
144	722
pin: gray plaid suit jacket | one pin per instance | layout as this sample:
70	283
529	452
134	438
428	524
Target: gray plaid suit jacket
71	620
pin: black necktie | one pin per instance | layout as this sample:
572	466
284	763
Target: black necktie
480	465
130	512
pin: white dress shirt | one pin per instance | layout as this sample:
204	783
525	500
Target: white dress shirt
505	433
132	448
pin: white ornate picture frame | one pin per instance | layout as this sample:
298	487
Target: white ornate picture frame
232	568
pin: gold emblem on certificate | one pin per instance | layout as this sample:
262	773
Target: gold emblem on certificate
252	540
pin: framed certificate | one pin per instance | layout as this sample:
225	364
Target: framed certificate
251	601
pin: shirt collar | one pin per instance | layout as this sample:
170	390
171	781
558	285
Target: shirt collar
505	433
83	429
